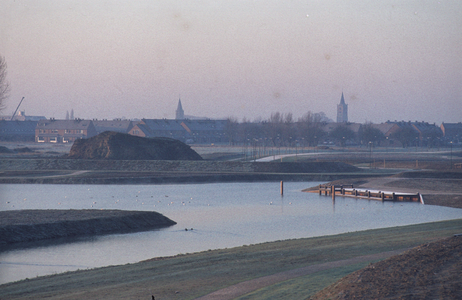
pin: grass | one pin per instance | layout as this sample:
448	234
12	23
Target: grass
197	274
302	287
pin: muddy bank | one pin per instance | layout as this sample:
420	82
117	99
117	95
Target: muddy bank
34	225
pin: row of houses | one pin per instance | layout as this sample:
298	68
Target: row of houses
67	131
190	131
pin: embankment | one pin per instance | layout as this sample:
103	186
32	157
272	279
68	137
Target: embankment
83	171
34	225
173	165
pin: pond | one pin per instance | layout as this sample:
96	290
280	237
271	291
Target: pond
222	215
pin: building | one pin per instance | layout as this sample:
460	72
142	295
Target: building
179	114
386	128
342	111
452	131
190	131
63	131
159	128
17	130
416	133
117	125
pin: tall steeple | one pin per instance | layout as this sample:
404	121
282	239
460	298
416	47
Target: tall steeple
179	111
342	111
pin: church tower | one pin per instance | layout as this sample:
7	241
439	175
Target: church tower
179	111
342	111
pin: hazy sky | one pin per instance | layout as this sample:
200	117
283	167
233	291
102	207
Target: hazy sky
394	60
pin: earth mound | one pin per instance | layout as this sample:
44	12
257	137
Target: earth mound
121	146
429	271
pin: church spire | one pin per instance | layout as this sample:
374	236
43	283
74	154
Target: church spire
342	111
342	101
179	111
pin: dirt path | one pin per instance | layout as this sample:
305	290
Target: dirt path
246	287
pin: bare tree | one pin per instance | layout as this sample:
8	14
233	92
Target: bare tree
4	85
342	134
370	134
231	129
310	127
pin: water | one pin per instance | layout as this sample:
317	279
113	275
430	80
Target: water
222	215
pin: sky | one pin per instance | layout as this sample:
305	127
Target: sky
392	59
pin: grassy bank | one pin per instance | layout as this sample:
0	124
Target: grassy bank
192	275
80	171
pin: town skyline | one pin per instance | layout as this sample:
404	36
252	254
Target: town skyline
392	61
342	115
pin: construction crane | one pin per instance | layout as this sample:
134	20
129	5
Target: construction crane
12	117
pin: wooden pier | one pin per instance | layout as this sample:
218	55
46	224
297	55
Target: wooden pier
350	191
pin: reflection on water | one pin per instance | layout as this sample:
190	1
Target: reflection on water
220	215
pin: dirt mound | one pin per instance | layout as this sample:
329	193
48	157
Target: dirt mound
121	146
430	271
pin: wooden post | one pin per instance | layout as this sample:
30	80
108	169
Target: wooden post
333	192
368	194
282	188
393	196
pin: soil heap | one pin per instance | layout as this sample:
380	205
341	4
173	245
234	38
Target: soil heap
429	271
121	146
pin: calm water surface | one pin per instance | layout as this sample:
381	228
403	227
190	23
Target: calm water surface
222	215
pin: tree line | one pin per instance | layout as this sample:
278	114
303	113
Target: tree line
282	130
278	130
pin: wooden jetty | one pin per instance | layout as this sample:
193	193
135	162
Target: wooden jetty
350	191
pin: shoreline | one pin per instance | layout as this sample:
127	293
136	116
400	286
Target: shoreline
190	276
440	191
19	227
